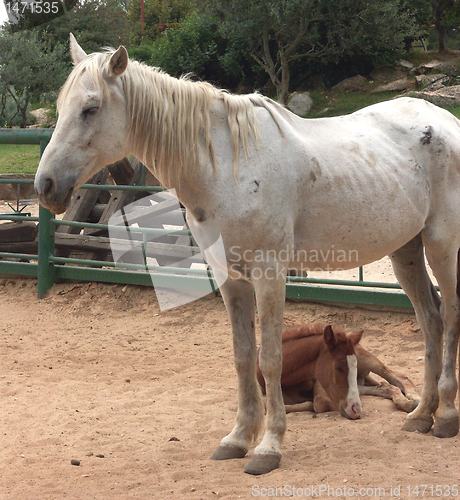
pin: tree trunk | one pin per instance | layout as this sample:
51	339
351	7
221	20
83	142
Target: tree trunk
441	38
283	87
438	14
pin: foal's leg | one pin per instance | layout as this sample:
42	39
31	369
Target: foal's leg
389	391
239	301
443	259
270	295
410	270
374	365
299	407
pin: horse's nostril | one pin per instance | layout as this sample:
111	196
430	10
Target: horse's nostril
47	186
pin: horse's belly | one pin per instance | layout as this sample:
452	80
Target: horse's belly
354	232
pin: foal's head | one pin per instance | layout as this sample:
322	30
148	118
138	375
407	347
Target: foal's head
337	371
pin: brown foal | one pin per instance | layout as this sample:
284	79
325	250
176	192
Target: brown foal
324	367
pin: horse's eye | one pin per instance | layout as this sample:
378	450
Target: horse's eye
89	111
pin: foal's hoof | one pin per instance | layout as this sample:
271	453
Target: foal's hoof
228	452
418	424
261	464
445	427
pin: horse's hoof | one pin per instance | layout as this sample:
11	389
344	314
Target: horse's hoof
445	427
228	452
261	464
418	424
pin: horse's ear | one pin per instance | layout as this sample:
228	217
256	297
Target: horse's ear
118	61
76	52
356	336
329	337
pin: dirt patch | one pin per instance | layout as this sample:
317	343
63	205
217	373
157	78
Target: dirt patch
97	370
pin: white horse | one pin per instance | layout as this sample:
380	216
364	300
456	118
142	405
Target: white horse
382	181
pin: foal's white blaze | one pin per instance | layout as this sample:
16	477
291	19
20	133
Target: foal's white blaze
353	408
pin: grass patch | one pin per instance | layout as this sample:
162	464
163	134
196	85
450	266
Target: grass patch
19	158
455	110
343	103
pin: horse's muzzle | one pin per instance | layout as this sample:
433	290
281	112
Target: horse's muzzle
54	195
351	411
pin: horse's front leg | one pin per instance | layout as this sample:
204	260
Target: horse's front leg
239	301
270	295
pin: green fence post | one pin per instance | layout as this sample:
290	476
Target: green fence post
45	273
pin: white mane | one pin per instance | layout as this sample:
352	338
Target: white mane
169	117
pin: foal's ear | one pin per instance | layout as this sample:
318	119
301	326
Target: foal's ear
118	61
76	52
356	336
329	337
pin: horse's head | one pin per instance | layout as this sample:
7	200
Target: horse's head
91	130
337	371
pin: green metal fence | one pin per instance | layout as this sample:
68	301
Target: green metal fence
48	268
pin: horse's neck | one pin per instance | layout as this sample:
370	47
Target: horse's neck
167	117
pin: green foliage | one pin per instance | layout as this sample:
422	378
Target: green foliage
95	23
159	15
196	46
281	33
372	30
29	67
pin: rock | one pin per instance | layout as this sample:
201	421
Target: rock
99	455
356	83
74	461
446	96
395	86
431	82
42	117
300	103
450	68
406	64
173	438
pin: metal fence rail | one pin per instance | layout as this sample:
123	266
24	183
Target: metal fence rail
49	268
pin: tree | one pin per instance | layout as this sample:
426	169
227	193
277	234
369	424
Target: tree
159	15
279	33
29	68
274	32
445	15
196	46
95	23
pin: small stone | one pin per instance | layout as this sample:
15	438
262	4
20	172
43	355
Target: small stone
74	461
128	380
89	454
100	455
173	438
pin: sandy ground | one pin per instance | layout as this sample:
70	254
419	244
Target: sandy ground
96	369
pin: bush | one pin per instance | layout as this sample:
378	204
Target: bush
197	47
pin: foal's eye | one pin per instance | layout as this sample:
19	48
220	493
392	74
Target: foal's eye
89	111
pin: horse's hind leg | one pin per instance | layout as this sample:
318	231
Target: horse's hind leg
239	301
443	255
410	270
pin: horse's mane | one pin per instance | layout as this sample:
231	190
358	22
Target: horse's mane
168	116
